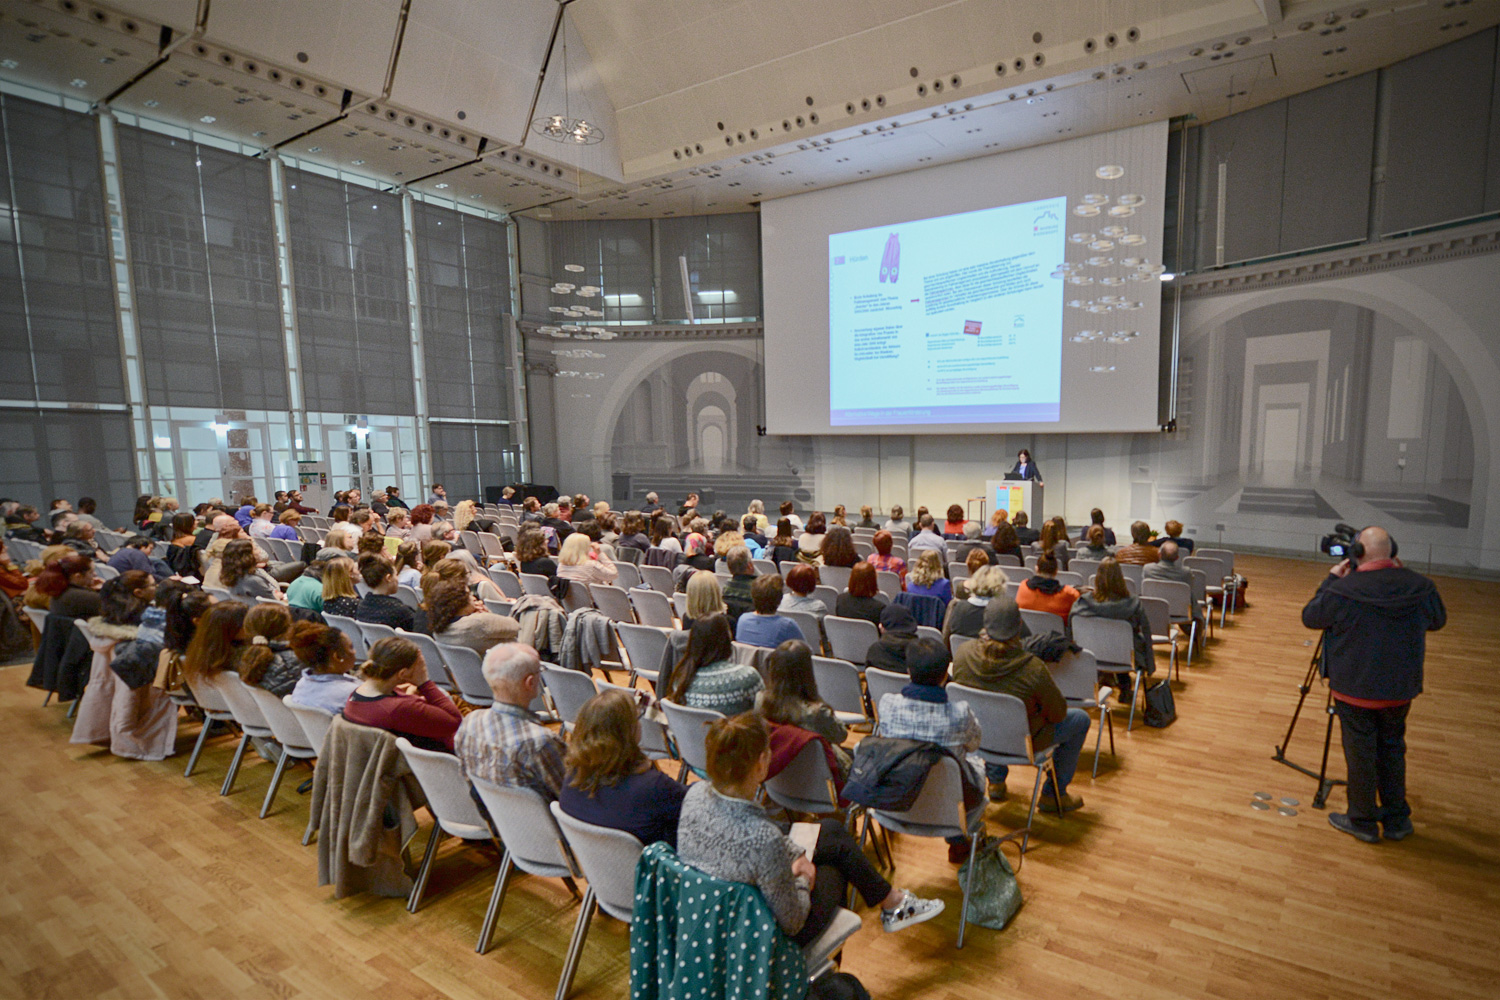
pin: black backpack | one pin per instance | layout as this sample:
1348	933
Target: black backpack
888	773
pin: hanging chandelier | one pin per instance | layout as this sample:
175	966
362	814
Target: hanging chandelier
564	127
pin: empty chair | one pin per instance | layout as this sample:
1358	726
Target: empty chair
410	597
533	583
466	667
1132	571
626	574
607	859
498	607
644	646
470	541
295	743
454	813
314	721
577	596
1217	582
679	605
215	709
807	624
658	578
1068	578
1112	642
614	602
533	843
1012	588
1008	559
850	638
652	608
689	728
1085	568
490	545
629	556
508	583
928	632
827	595
373	632
1005	738
1043	621
1077	677
1226	576
350	628
1160	616
863	547
881	683
836	577
569	690
838	686
806	784
888	583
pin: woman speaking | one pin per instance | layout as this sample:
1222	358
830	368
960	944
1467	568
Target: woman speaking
1025	468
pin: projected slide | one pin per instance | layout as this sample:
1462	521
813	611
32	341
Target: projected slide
952	319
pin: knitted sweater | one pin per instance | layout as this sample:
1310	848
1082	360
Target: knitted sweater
733	839
724	686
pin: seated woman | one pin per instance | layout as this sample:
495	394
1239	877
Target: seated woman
339	595
397	696
859	601
531	553
838	547
458	618
328	661
724	832
705	598
976	560
663	535
788	510
1111	599
408	562
242	572
810	542
71	586
926	577
966	617
867	518
340	541
477	580
1055	540
791	699
1042	592
215	644
266	660
956	527
800	582
609	781
584	561
423	530
184	607
1095	549
697	550
783	547
996	519
260	521
633	533
840	516
708	677
287	528
1006	542
882	560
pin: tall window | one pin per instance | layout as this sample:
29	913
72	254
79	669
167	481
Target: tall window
723	263
615	256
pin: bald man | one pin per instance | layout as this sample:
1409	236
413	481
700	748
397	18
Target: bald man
1375	615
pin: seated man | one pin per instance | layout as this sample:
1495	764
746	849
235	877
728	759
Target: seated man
898	630
136	554
1096	516
927	537
737	599
923	712
763	626
381	606
998	662
1170	568
755	539
1174	534
1025	533
506	743
1140	551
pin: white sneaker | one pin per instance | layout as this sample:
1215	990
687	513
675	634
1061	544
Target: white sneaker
911	910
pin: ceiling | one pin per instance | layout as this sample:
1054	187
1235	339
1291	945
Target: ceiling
706	105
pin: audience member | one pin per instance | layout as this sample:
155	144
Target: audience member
1007	541
704	598
788	510
531	554
859	600
783	547
755	537
215	644
956	527
339	594
763	626
328	660
406	559
396	695
380	605
307	590
458	618
266	659
1170	569
1140	551
867	518
757	510
707	677
898	630
926	577
977	559
72	587
966	616
791	698
738	600
1112	599
800	582
1174	534
897	525
1042	592
584	561
927	537
997	518
1025	534
633	533
610	782
838	547
1096	548
1096	517
506	744
882	560
135	554
242	572
1054	540
810	542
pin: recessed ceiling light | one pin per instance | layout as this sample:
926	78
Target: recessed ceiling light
152	103
257	134
208	119
357	162
79	83
315	149
9	64
441	187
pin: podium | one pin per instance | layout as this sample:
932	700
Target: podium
1013	495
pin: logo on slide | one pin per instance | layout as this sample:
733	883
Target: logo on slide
890	261
971	326
1046	224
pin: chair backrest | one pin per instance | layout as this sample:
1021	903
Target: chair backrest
863	547
509	585
1109	639
373	632
1012	588
362	589
887	582
1210	566
104	572
526	827
577	596
38	617
883	682
220	593
498	607
652	608
1159	613
807	624
850	638
1178	595
314	721
940	803
1076	675
410	597
928	632
764	567
491	546
679	604
1009	559
630	556
957	642
466	667
1085	568
1132	571
283	724
689	727
535	583
614	602
1043	621
241	704
447	791
436	660
350	628
569	690
658	578
786	565
607	858
827	595
209	698
806	779
626	574
470	541
1003	725
836	577
1225	557
958	571
1068	578
838	684
644	646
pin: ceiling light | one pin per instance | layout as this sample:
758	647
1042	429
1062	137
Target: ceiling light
1167	276
153	103
208	119
357	163
315	149
79	83
442	187
9	64
564	127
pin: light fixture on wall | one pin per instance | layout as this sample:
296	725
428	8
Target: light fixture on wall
564	127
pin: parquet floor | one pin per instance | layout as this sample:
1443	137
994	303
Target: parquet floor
123	879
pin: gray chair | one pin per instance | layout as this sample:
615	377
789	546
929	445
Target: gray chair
652	607
679	605
1159	613
1229	581
1085	568
644	647
1077	677
314	723
466	667
850	638
1113	644
435	658
958	571
689	729
247	716
1043	621
607	858
881	683
957	642
350	628
569	689
928	632
373	632
807	624
536	584
508	582
836	577
839	687
1005	739
295	743
499	607
533	843
410	597
1216	581
658	578
577	597
827	595
889	583
614	602
454	813
626	573
806	784
215	709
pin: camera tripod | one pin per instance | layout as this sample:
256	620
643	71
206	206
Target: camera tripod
1325	783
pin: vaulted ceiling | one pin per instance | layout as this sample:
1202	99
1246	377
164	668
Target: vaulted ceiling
706	105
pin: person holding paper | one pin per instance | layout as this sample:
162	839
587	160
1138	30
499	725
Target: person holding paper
724	832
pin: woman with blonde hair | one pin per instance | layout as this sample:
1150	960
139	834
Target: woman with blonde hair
463	515
338	542
726	541
585	561
926	577
966	615
609	781
705	598
757	510
398	522
339	595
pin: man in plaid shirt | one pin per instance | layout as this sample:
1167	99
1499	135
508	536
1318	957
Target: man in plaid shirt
922	711
506	744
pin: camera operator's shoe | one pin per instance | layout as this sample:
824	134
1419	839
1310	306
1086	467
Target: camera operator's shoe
1341	821
1398	829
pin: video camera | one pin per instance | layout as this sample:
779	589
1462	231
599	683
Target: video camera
1338	543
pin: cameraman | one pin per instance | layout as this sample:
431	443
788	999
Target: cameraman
1375	614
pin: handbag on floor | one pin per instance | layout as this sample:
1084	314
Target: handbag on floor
995	895
1161	708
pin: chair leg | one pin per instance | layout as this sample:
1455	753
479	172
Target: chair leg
198	746
1056	790
1192	640
234	765
420	885
265	806
1099	739
1135	696
1111	735
1036	794
47	700
963	912
575	947
497	897
73	708
312	821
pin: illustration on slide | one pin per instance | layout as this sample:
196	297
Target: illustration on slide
890	263
972	326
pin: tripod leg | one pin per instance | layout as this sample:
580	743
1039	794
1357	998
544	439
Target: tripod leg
1324	785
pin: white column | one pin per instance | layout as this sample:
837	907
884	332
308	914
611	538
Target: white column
418	362
302	446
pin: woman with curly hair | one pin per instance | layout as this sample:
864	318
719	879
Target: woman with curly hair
328	661
810	542
458	618
838	547
242	573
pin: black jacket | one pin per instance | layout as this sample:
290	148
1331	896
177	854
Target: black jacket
1375	631
889	651
889	773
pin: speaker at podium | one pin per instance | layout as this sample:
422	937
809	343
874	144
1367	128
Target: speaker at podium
1015	495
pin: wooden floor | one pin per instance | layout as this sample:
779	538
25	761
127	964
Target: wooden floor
123	879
